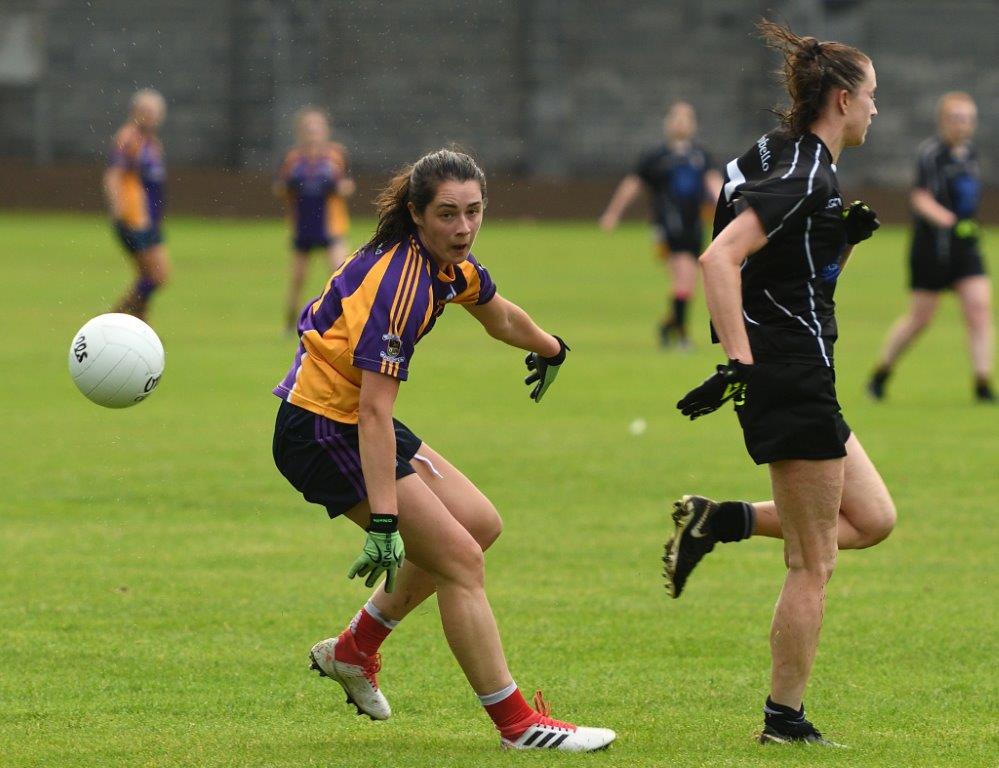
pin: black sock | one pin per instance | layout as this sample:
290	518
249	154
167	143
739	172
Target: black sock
881	374
774	711
733	521
680	314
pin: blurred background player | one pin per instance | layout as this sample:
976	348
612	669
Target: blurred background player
337	442
945	252
680	179
133	189
313	180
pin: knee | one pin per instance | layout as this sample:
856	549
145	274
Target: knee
918	321
466	564
488	527
882	524
815	567
979	314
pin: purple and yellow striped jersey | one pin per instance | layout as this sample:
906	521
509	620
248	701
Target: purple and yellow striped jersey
315	209
140	157
371	314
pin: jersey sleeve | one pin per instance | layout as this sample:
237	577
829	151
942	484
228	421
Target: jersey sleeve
382	328
123	151
925	170
643	167
479	286
782	201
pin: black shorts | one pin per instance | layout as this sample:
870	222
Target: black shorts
138	240
938	259
304	244
321	459
688	238
791	412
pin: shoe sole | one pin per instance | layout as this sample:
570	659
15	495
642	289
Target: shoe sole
770	738
681	519
513	748
334	676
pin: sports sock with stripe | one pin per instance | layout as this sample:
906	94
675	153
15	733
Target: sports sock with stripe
733	521
510	712
370	627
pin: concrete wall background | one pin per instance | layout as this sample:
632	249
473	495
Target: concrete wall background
555	89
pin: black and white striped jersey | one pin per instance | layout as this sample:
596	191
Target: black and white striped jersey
788	285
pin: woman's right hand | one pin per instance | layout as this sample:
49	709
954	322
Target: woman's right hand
383	552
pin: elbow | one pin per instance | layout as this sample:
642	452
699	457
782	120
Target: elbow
370	413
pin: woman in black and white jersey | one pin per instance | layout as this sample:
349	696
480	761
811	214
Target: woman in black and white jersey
781	240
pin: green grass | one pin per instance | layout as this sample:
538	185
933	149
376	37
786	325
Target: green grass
160	584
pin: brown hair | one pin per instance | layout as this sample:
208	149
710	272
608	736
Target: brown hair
810	71
417	184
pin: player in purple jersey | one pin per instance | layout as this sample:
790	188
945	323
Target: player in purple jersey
681	178
336	441
315	185
781	239
945	252
133	187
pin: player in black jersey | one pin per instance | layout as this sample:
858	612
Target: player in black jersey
782	236
945	251
680	177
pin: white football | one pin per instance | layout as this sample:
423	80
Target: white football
116	360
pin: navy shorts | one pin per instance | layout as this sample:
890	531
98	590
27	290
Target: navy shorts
688	238
938	259
791	412
304	244
138	240
321	458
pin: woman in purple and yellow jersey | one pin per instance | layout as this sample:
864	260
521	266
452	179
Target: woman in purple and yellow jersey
133	188
314	182
337	442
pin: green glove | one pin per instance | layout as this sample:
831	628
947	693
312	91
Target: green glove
966	229
383	552
543	370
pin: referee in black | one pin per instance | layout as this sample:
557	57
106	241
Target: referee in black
945	252
781	239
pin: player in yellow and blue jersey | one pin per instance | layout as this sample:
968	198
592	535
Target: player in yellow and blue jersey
134	190
337	442
314	182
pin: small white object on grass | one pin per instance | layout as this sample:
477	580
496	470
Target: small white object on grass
638	427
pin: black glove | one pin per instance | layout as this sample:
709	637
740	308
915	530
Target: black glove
861	221
727	383
543	370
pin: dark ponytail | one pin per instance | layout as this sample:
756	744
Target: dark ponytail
417	184
810	70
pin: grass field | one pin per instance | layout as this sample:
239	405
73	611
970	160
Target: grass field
161	584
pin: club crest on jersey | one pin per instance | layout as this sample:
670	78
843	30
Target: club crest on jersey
393	348
830	272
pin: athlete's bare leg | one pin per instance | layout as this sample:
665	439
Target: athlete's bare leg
904	331
152	267
439	546
298	270
467	504
975	294
808	496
